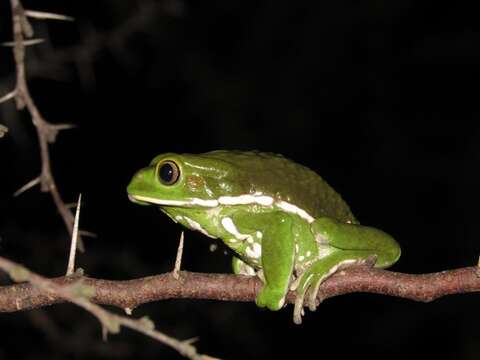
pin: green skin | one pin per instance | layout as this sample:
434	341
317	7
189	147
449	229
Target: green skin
282	220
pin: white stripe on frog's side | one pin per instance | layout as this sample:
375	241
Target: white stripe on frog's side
290	208
194	225
230	227
248	199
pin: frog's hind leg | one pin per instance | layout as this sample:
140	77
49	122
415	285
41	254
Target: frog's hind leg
318	272
346	236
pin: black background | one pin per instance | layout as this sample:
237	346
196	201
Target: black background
380	98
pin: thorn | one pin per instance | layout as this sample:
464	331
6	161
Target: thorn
104	333
73	245
87	233
191	340
178	260
52	131
3	130
71	205
47	15
8	96
29	42
27	186
59	127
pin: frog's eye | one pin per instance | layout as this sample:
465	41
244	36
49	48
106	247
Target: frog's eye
168	172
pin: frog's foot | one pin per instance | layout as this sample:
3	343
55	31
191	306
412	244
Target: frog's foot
313	277
313	292
269	297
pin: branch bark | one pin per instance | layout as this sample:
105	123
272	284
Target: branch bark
226	287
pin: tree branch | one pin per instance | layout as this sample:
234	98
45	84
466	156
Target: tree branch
132	293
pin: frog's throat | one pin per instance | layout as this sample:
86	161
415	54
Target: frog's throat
249	199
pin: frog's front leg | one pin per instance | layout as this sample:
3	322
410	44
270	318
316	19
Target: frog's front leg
276	257
278	254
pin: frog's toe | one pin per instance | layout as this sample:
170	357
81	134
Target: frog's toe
298	310
312	301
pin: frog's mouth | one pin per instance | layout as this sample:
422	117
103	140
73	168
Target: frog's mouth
146	200
135	200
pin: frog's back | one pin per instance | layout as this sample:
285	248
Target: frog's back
284	180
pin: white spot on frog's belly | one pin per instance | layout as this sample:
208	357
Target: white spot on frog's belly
230	227
254	251
196	226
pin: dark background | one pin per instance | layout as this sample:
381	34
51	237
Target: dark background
380	98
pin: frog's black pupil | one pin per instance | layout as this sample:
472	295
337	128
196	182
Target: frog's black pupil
167	172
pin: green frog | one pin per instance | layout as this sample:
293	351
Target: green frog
284	223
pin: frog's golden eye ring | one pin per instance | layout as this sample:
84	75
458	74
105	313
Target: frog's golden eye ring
168	172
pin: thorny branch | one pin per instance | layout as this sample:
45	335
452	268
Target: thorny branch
46	131
77	292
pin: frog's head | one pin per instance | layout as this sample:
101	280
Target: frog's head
185	180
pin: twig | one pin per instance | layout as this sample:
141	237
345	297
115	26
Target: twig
178	260
46	131
73	245
77	292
